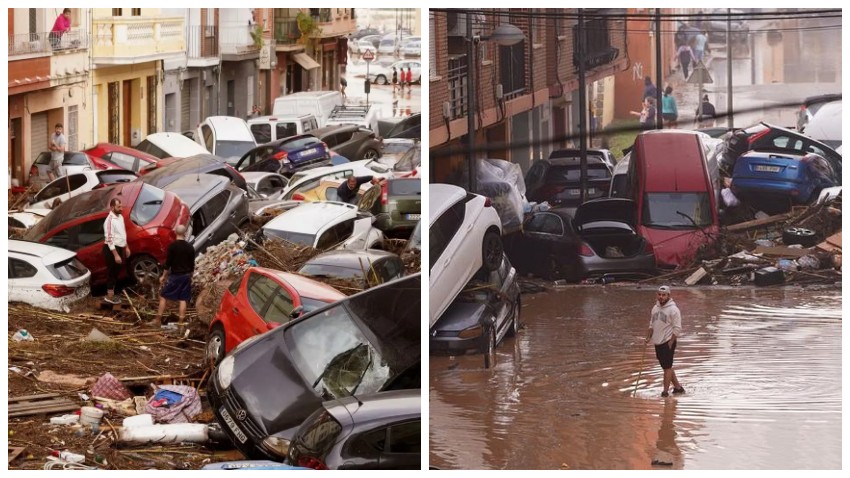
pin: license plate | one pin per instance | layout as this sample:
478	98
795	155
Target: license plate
767	169
308	152
413	217
575	192
240	435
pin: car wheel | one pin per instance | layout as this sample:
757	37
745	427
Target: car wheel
799	235
492	250
215	345
145	268
490	349
370	154
515	324
381	80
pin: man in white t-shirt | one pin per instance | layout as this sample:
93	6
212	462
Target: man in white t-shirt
58	145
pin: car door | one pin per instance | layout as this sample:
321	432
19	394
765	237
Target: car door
346	144
280	308
258	292
58	190
22	286
543	241
403	447
216	227
534	178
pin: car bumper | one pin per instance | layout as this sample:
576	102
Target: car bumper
640	265
455	345
225	400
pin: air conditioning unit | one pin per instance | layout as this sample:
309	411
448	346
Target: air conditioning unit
456	24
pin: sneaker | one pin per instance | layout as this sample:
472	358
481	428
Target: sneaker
114	300
665	394
679	390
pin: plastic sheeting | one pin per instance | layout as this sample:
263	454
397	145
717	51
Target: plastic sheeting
503	183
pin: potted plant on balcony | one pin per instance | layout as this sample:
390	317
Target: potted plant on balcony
307	26
257	36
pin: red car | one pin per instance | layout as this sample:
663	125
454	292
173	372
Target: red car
117	156
259	301
150	215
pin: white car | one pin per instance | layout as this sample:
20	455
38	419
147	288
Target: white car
325	225
74	162
27	218
383	75
361	46
825	125
79	183
45	276
225	136
265	185
464	235
310	178
170	145
411	48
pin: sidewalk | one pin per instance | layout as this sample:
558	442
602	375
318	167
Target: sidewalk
687	95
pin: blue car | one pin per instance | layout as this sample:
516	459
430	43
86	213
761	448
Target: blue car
286	156
775	180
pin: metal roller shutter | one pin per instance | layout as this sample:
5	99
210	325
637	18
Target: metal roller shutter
40	135
185	105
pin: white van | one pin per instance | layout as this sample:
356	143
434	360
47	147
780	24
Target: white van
363	116
225	136
272	128
317	103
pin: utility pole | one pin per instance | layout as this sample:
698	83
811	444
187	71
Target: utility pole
470	104
658	70
582	105
729	68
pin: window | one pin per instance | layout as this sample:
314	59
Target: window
405	438
336	234
152	149
598	50
443	230
677	210
147	205
309	125
73	115
234	286
117	12
136	12
68	270
60	187
216	205
432	43
75	159
262	133
458	79
209	31
19	269
392	268
89	233
546	224
285	130
206	131
121	159
280	309
260	290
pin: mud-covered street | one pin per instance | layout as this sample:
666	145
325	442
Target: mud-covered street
761	369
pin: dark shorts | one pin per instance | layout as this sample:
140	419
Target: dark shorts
669	116
665	355
177	288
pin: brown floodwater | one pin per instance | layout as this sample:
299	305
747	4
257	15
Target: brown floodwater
761	368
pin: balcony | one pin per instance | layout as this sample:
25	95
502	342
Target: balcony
202	45
457	80
41	44
286	34
130	40
236	43
333	22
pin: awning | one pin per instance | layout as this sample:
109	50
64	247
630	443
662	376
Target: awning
305	61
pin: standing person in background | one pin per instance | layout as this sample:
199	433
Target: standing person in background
705	119
649	89
115	248
176	277
669	111
409	79
700	41
665	327
647	114
58	145
60	26
342	84
686	56
395	81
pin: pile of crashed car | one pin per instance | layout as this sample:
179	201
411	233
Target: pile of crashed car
759	205
310	346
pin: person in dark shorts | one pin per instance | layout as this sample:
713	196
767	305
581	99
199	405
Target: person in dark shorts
395	80
177	275
347	191
116	251
665	326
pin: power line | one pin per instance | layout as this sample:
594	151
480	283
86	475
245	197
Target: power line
775	15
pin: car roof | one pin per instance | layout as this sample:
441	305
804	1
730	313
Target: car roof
346	258
257	176
319	132
826	123
441	197
306	287
44	253
311	217
272	118
109	147
229	128
176	144
193	188
382	407
661	171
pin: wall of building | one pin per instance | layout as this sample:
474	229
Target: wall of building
244	77
137	74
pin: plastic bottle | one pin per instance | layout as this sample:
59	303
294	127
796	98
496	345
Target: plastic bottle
68	456
22	335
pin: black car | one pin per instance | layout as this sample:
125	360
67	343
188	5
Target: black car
557	180
369	342
167	171
548	247
368	432
482	314
767	137
218	208
369	267
350	141
286	156
409	127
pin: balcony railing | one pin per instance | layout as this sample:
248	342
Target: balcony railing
236	40
458	77
286	31
134	37
202	41
43	43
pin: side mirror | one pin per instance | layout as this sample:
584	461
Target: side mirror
296	312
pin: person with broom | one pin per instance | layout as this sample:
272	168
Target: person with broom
665	326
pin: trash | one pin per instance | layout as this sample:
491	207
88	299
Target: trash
124	407
186	404
107	386
768	276
729	198
22	336
75	381
97	336
171	433
788	265
613	251
69	419
90	416
696	276
141	420
140	403
765	243
68	456
808	263
761	215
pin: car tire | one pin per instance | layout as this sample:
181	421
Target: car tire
145	267
214	351
490	349
514	330
799	235
369	154
492	250
381	80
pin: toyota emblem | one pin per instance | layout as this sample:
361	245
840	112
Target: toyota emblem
241	415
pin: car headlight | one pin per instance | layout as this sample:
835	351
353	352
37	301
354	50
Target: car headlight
225	371
276	445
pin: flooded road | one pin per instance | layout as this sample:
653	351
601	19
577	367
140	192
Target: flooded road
761	369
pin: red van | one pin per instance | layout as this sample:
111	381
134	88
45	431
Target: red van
674	194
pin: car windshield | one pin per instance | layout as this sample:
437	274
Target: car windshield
311	304
323	270
297	238
147	205
394	147
411	159
677	210
561	174
299	143
68	269
337	364
79	206
231	149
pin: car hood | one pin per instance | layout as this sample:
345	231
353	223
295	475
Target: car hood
460	315
608	209
676	247
273	391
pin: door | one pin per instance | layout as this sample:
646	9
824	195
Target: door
346	144
114	112
87	240
39	139
231	98
171	115
127	112
259	293
402	447
16	151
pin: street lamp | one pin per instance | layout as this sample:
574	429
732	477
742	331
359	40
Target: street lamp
504	35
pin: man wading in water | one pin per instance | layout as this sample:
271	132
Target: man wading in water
665	326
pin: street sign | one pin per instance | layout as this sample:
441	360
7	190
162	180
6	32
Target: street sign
368	56
700	75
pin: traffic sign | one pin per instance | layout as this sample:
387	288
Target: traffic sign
368	56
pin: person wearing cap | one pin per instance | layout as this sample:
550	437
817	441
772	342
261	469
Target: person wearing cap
665	326
177	273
